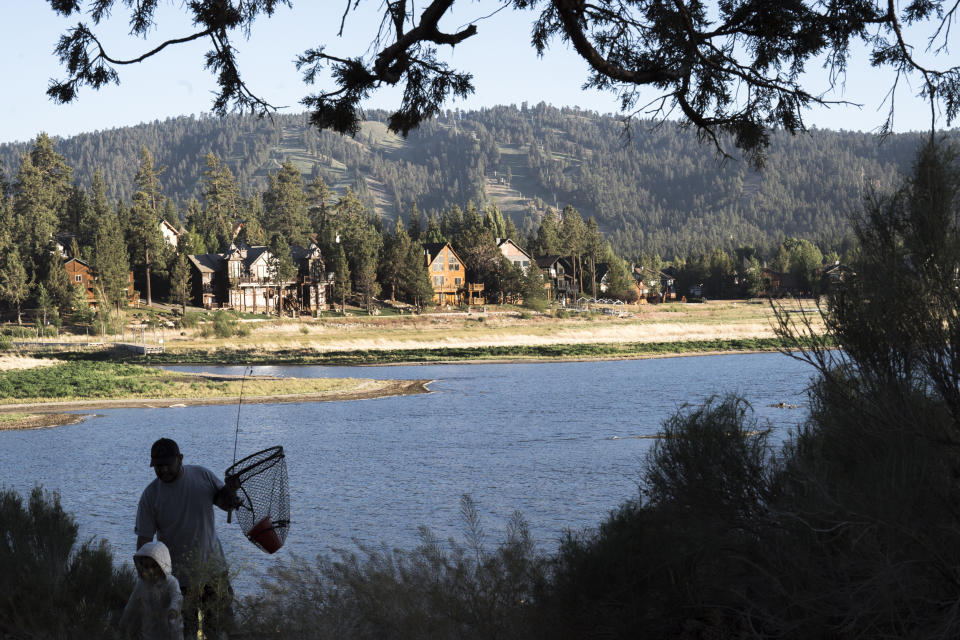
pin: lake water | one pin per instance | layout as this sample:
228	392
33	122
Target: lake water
560	442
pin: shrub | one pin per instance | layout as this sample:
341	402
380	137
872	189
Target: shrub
304	329
457	590
20	332
243	330
525	315
48	331
6	343
225	324
191	319
52	588
665	561
562	314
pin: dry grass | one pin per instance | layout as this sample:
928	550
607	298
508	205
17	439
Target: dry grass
648	323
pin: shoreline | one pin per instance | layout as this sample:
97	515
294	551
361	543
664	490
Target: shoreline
50	414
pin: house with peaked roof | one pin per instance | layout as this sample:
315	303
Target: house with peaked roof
80	273
241	278
558	273
448	276
517	256
171	235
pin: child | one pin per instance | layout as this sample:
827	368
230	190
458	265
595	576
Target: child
156	601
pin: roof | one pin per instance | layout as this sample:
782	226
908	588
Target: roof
68	260
206	262
312	252
515	246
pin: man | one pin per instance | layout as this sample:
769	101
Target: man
177	507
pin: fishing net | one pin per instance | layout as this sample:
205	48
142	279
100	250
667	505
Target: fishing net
264	494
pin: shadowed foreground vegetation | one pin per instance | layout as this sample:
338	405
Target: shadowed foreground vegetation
850	530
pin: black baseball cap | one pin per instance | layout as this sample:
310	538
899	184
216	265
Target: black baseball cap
164	451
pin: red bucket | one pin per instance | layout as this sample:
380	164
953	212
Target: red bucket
265	535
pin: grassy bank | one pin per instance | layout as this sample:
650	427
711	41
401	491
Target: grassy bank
452	354
86	381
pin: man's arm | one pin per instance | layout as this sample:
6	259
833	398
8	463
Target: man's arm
226	498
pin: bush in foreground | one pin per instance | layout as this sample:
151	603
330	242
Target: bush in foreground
435	591
50	588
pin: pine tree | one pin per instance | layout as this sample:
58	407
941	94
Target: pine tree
110	261
318	204
285	205
14	281
57	282
180	280
281	267
534	289
396	248
40	196
416	278
221	201
144	237
341	270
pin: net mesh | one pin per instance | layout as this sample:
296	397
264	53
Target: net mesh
264	493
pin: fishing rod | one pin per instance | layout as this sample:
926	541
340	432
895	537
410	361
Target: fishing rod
236	434
263	509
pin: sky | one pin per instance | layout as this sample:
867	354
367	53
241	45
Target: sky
505	67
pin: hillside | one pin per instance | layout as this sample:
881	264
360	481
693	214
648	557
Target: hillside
654	188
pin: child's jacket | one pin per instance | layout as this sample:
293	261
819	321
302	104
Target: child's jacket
156	607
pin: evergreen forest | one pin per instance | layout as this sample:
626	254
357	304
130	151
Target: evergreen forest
652	188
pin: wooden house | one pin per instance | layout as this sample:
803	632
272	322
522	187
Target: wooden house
448	276
81	274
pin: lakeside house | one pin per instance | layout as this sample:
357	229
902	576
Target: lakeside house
81	274
171	235
558	273
242	279
448	276
517	256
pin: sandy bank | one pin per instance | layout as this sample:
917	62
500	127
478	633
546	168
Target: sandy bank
40	414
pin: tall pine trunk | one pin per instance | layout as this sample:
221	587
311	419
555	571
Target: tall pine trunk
146	259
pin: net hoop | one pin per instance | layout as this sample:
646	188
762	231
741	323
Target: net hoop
263	512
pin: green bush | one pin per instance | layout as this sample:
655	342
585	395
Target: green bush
20	332
51	587
48	331
243	330
191	319
6	343
224	324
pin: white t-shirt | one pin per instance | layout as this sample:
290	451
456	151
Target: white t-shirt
180	513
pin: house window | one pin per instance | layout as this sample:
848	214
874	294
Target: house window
453	265
78	278
438	265
526	263
438	281
458	281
